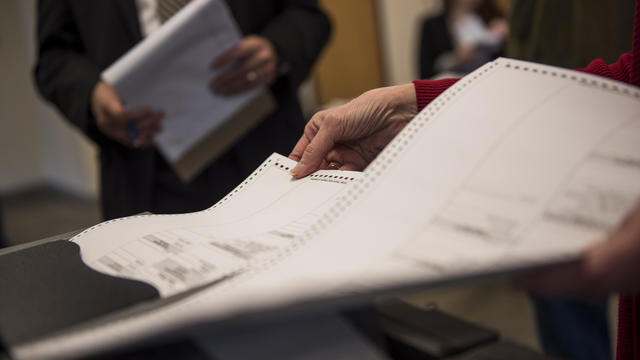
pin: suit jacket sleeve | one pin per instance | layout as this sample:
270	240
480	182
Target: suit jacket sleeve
435	41
63	74
299	33
427	55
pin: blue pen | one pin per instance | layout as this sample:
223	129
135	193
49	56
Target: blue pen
133	131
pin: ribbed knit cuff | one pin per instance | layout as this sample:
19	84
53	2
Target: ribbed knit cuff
428	90
620	70
635	69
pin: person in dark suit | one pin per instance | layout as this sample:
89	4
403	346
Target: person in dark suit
77	39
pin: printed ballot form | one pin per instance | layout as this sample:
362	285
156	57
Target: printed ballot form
170	71
257	222
517	165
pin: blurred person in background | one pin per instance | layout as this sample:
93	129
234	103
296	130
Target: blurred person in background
77	39
465	36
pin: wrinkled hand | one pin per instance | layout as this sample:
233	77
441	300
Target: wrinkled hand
612	265
113	120
254	63
352	135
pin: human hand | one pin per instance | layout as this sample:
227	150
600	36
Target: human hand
464	53
352	135
254	59
612	265
499	27
113	120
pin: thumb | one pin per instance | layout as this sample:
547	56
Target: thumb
113	105
109	98
314	153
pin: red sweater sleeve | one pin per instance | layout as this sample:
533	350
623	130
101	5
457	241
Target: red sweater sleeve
428	90
620	70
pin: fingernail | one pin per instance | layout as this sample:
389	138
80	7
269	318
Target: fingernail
297	170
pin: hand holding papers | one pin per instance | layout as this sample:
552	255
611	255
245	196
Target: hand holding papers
133	127
254	62
516	166
352	135
610	266
170	71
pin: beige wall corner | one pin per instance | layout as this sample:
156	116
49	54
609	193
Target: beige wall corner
36	146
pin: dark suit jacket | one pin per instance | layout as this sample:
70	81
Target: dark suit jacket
435	40
77	39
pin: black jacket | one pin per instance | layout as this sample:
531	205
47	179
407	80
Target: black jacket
435	40
77	39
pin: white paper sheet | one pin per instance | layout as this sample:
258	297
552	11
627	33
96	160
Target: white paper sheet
509	168
514	166
255	223
170	71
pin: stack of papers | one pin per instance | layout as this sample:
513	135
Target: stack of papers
516	166
170	71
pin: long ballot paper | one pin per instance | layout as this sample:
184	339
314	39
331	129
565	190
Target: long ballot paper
517	165
170	71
